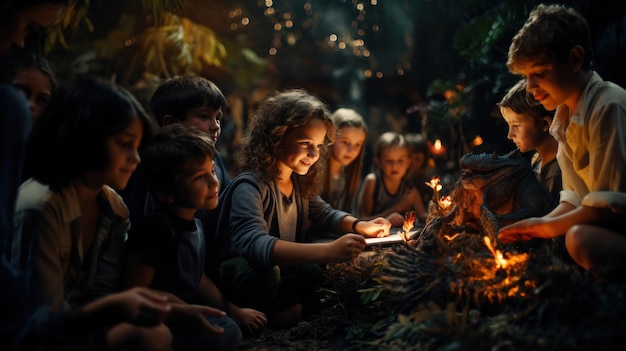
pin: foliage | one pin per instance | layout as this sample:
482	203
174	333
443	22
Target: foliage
178	46
71	17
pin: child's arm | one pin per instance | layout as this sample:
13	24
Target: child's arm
345	248
548	227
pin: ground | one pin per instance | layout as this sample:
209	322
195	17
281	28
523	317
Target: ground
568	309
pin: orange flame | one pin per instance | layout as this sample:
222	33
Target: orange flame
500	261
409	220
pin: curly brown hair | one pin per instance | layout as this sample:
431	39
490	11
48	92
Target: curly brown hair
276	117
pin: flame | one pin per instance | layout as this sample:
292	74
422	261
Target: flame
450	238
434	184
445	202
500	261
409	221
477	141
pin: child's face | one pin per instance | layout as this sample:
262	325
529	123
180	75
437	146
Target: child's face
36	87
417	161
123	155
206	119
550	82
301	147
525	131
394	162
198	187
348	144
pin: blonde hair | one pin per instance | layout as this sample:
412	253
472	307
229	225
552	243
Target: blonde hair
343	118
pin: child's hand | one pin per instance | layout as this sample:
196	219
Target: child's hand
396	219
375	228
525	230
192	318
139	306
346	248
248	319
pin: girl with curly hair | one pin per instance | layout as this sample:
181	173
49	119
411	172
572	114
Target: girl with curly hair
265	260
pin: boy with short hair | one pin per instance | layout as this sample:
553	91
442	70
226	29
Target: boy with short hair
166	248
529	123
553	52
193	101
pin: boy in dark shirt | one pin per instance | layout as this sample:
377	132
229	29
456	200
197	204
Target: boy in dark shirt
166	248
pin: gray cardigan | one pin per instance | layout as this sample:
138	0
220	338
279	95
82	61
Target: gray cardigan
247	226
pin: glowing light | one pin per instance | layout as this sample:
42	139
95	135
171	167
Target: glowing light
400	72
269	3
342	45
333	37
477	141
450	238
245	21
360	7
273	51
446	201
278	26
379	74
367	73
288	24
409	222
435	184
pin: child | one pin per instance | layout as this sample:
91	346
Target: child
263	213
343	178
70	225
166	248
529	123
192	101
385	192
420	172
33	76
552	52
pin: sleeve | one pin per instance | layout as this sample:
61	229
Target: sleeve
324	216
39	234
150	239
607	153
250	231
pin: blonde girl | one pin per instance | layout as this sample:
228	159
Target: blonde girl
343	179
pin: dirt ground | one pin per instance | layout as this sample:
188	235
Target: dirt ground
329	328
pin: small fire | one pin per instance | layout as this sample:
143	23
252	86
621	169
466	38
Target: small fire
435	184
500	261
451	237
445	202
409	221
438	149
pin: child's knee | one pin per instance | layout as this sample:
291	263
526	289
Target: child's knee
579	243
